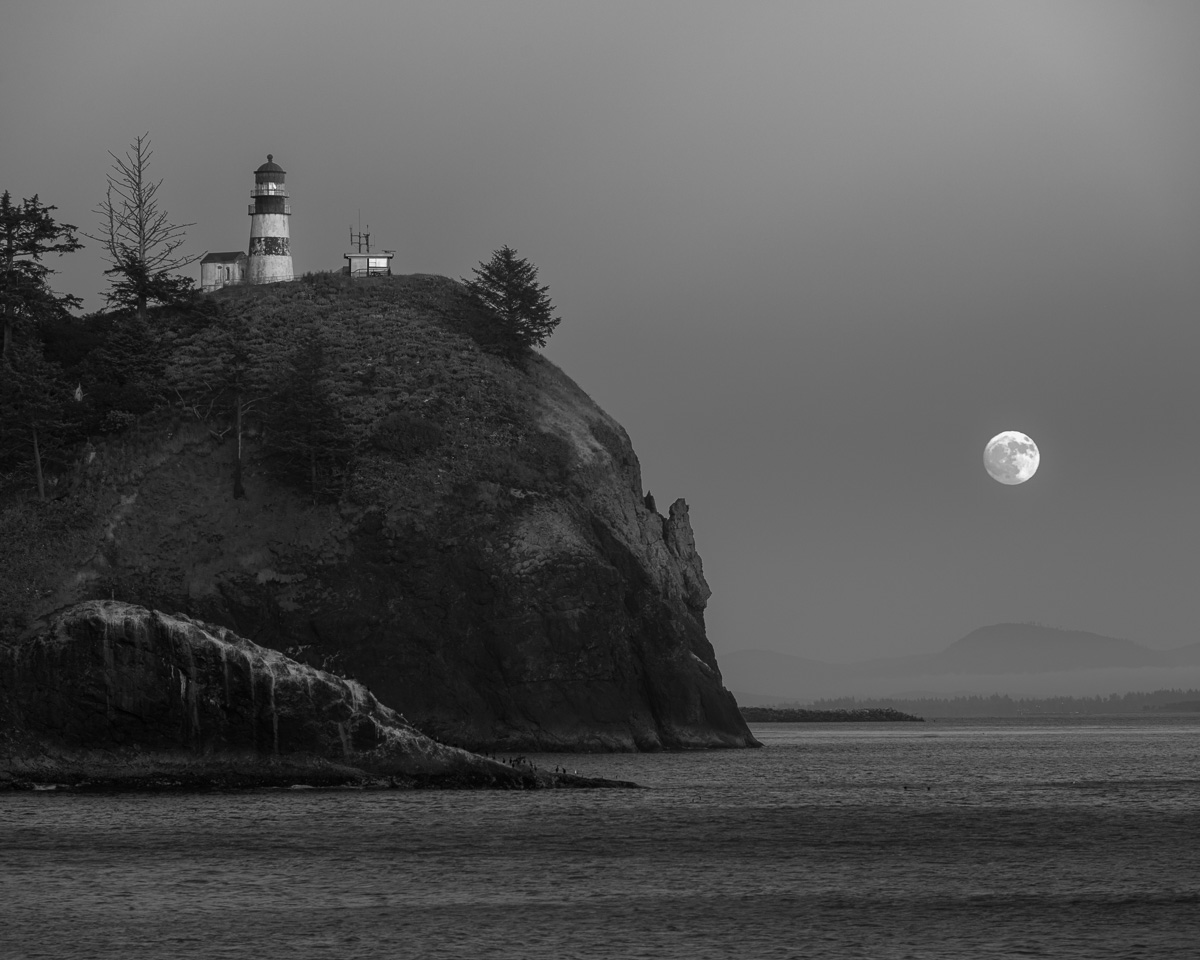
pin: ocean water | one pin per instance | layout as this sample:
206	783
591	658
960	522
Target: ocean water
956	839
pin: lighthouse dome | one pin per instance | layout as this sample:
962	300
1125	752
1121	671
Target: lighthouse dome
270	166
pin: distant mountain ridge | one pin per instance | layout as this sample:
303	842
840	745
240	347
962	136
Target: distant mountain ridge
1051	648
1003	657
1033	648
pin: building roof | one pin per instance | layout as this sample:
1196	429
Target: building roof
229	257
270	166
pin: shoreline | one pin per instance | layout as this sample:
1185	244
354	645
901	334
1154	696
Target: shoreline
799	715
149	774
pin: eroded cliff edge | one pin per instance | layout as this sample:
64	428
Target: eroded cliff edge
110	695
490	565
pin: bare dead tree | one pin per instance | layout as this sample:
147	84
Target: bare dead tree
140	241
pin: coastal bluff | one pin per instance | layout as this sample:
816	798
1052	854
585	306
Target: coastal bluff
464	532
111	695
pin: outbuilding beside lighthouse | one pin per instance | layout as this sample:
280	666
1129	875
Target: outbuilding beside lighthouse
270	237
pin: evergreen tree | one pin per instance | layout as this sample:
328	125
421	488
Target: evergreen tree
140	242
306	436
34	394
123	372
506	287
27	233
223	372
34	398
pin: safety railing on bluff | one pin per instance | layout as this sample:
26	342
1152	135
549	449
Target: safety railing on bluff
245	282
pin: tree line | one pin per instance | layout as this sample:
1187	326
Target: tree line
67	378
1003	705
802	715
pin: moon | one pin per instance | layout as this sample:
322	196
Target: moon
1011	457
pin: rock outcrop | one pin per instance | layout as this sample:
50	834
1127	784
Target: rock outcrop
110	694
486	560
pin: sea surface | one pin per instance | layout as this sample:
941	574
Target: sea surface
958	839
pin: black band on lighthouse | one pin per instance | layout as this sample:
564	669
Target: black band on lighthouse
270	247
270	205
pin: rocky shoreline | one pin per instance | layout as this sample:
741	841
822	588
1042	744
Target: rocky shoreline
108	696
37	767
71	779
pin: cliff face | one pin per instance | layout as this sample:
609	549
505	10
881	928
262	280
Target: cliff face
169	696
578	623
492	567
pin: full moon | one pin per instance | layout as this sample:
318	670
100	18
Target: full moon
1011	457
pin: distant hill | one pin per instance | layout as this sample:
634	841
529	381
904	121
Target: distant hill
1028	648
1184	656
1006	658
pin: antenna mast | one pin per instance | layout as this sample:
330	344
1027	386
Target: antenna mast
361	240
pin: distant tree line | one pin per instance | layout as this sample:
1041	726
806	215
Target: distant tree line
801	715
998	705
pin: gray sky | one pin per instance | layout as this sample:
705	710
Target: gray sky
812	255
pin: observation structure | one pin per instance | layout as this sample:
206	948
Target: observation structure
364	263
270	238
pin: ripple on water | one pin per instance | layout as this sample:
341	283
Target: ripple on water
1031	840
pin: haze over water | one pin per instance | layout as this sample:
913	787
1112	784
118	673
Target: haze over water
943	839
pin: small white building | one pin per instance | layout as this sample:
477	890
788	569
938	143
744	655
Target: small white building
219	269
368	264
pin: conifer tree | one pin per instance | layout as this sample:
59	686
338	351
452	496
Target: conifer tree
306	436
223	372
27	233
34	402
123	372
506	287
139	240
33	391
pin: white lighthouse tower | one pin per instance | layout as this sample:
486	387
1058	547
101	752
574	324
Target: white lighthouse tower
270	245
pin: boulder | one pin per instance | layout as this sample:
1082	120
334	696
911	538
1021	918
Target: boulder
109	694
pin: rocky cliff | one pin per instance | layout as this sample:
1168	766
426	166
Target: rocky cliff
487	562
116	695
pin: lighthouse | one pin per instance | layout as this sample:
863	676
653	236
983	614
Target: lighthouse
270	247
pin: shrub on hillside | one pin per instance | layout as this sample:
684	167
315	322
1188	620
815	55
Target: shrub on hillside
407	435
